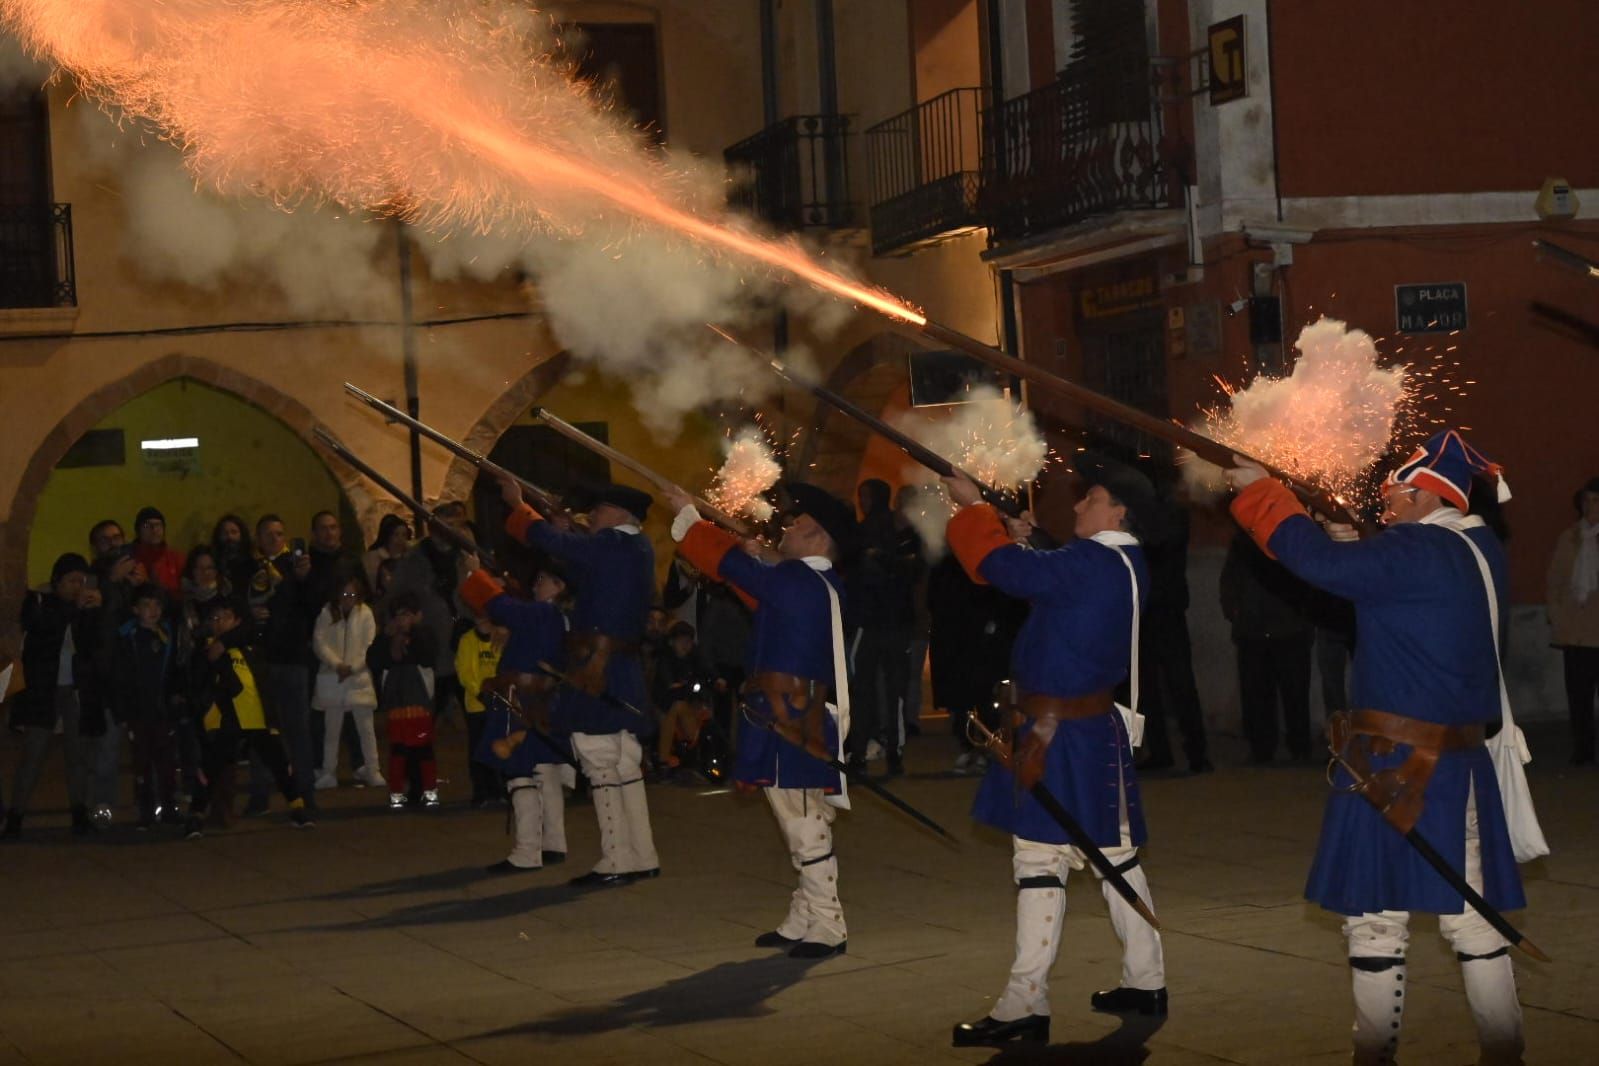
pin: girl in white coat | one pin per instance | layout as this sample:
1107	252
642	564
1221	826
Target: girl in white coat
344	631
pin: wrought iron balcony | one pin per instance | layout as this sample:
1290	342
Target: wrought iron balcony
926	171
36	265
796	173
1088	144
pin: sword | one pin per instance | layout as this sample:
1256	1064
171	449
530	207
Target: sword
604	697
530	727
1425	849
1074	829
870	786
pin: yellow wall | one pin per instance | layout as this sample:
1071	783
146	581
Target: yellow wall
249	463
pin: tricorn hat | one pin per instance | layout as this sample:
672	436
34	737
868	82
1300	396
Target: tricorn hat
836	517
635	502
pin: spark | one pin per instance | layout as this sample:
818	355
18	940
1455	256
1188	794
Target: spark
748	471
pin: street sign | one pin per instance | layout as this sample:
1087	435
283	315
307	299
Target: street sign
1227	74
1439	307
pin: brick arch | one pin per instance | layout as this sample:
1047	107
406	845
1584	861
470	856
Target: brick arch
501	415
89	411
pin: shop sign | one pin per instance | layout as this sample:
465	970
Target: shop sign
1438	307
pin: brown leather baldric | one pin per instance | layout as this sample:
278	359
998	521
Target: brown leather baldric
1397	792
588	654
796	709
1047	712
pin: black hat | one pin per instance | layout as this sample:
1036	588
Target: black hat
217	604
634	501
1131	489
147	513
555	568
836	517
70	563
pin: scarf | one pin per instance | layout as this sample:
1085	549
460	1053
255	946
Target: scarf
1585	568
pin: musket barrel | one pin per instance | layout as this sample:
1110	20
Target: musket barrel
1211	450
622	459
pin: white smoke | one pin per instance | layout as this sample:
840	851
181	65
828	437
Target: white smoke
1329	419
18	69
988	437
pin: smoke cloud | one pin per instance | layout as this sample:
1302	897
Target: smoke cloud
1328	420
989	437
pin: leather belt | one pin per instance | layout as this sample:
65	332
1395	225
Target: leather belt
1068	708
1398	729
796	709
588	653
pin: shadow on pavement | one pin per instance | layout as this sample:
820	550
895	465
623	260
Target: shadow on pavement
458	911
435	881
1122	1047
730	990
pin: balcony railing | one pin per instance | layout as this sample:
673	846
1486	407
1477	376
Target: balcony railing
1088	144
36	265
926	171
796	173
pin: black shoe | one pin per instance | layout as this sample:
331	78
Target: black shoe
81	825
644	875
552	858
301	818
855	769
192	829
257	807
13	827
774	939
805	949
595	879
1201	766
1130	1001
506	866
170	816
987	1031
896	766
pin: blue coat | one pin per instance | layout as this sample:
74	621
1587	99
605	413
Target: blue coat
1077	640
1425	650
537	633
614	575
791	633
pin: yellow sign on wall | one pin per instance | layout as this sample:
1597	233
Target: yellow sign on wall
1228	79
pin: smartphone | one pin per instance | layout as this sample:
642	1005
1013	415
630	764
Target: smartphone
90	581
297	546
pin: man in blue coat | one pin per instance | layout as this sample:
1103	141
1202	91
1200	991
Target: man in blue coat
795	664
533	769
1074	649
613	566
1426	676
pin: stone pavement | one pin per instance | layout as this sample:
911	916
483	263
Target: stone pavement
373	938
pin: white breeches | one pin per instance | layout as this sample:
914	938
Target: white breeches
613	764
806	819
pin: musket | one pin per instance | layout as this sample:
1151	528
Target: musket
543	499
1425	849
918	451
839	767
622	459
1566	257
1214	451
439	528
1074	829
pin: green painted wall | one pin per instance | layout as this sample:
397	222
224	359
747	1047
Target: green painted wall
248	463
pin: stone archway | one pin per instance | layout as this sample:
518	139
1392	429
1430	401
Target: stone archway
865	375
501	415
89	411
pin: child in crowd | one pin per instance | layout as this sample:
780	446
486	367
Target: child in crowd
534	770
401	660
146	674
238	722
682	693
344	632
477	659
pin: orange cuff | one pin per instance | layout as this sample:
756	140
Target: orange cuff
706	545
973	533
1263	506
519	521
478	589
